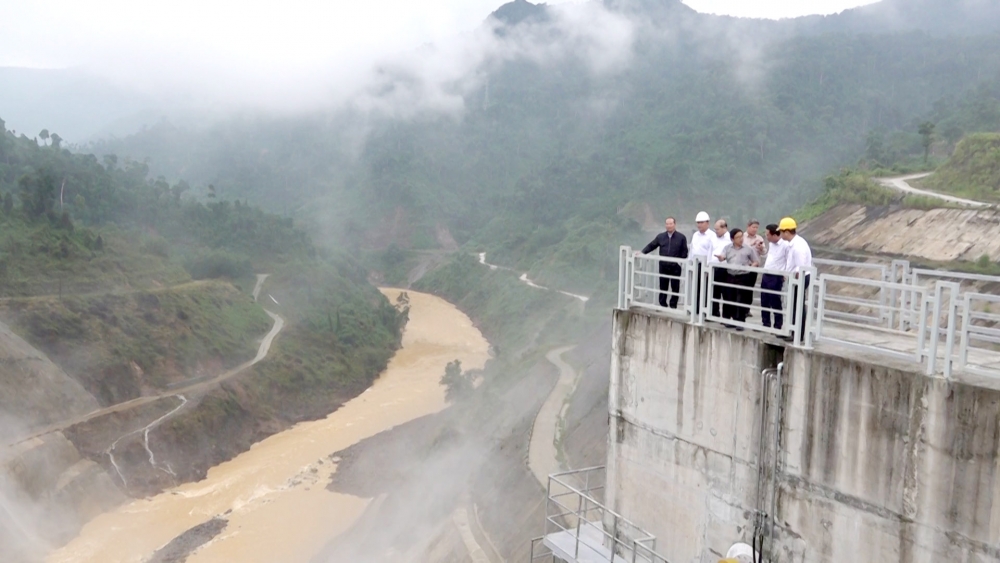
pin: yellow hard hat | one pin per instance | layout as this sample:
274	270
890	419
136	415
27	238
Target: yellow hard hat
787	224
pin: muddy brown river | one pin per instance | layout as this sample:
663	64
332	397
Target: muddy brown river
274	495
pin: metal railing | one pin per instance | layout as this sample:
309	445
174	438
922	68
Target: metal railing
930	317
578	527
980	334
696	291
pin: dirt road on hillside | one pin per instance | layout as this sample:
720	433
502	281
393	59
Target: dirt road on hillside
154	290
901	184
543	455
183	388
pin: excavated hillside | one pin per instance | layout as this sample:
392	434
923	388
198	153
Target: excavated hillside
47	489
937	235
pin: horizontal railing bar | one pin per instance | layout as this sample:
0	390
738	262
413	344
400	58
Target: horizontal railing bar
956	275
849	264
884	330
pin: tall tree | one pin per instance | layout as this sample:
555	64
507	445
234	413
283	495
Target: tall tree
926	131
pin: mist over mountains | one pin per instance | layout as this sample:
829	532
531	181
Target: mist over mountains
550	133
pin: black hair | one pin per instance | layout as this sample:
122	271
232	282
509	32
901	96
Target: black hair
772	228
734	232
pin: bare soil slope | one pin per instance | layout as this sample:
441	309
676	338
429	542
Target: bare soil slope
940	235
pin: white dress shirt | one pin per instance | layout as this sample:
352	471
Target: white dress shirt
800	256
719	245
777	256
702	244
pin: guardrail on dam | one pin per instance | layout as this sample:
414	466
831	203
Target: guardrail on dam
874	435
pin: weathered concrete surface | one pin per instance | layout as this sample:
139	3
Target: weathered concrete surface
681	444
891	231
875	463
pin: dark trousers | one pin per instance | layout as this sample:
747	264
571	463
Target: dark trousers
738	299
771	301
671	284
719	276
799	317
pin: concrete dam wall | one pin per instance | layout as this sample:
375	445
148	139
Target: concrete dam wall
855	460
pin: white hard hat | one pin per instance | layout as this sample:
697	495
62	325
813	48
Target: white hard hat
741	552
703	216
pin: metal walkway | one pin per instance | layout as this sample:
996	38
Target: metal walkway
580	529
944	323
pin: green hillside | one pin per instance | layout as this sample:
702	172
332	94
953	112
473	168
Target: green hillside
132	285
973	171
741	118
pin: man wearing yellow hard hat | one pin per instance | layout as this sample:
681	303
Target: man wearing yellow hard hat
799	260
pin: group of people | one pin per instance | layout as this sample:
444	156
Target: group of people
783	250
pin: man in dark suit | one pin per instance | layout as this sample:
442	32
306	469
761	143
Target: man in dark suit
673	245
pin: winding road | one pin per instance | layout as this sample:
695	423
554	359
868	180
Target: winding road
901	184
527	281
543	451
188	387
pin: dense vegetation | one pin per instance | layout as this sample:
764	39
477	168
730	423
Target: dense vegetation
973	171
737	117
99	260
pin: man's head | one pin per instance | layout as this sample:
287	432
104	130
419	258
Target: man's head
671	225
773	235
752	227
721	227
787	226
702	220
737	237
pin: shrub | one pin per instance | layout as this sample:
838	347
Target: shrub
219	264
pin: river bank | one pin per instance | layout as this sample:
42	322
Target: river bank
270	503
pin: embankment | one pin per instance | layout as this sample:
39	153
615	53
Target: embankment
937	235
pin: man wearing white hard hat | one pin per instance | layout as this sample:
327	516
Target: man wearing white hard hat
702	244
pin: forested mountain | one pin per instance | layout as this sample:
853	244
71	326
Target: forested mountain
99	257
576	121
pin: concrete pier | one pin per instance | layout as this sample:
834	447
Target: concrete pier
862	459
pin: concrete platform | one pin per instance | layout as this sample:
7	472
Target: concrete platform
591	548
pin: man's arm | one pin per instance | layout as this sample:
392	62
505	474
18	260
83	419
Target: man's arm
684	247
651	246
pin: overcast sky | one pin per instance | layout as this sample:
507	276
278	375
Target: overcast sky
300	33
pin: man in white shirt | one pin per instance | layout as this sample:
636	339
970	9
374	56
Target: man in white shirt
702	244
719	275
702	241
777	253
799	260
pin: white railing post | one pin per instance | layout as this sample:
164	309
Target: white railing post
922	328
963	353
954	291
623	254
704	278
900	299
885	298
935	329
820	308
797	298
630	280
691	289
813	277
